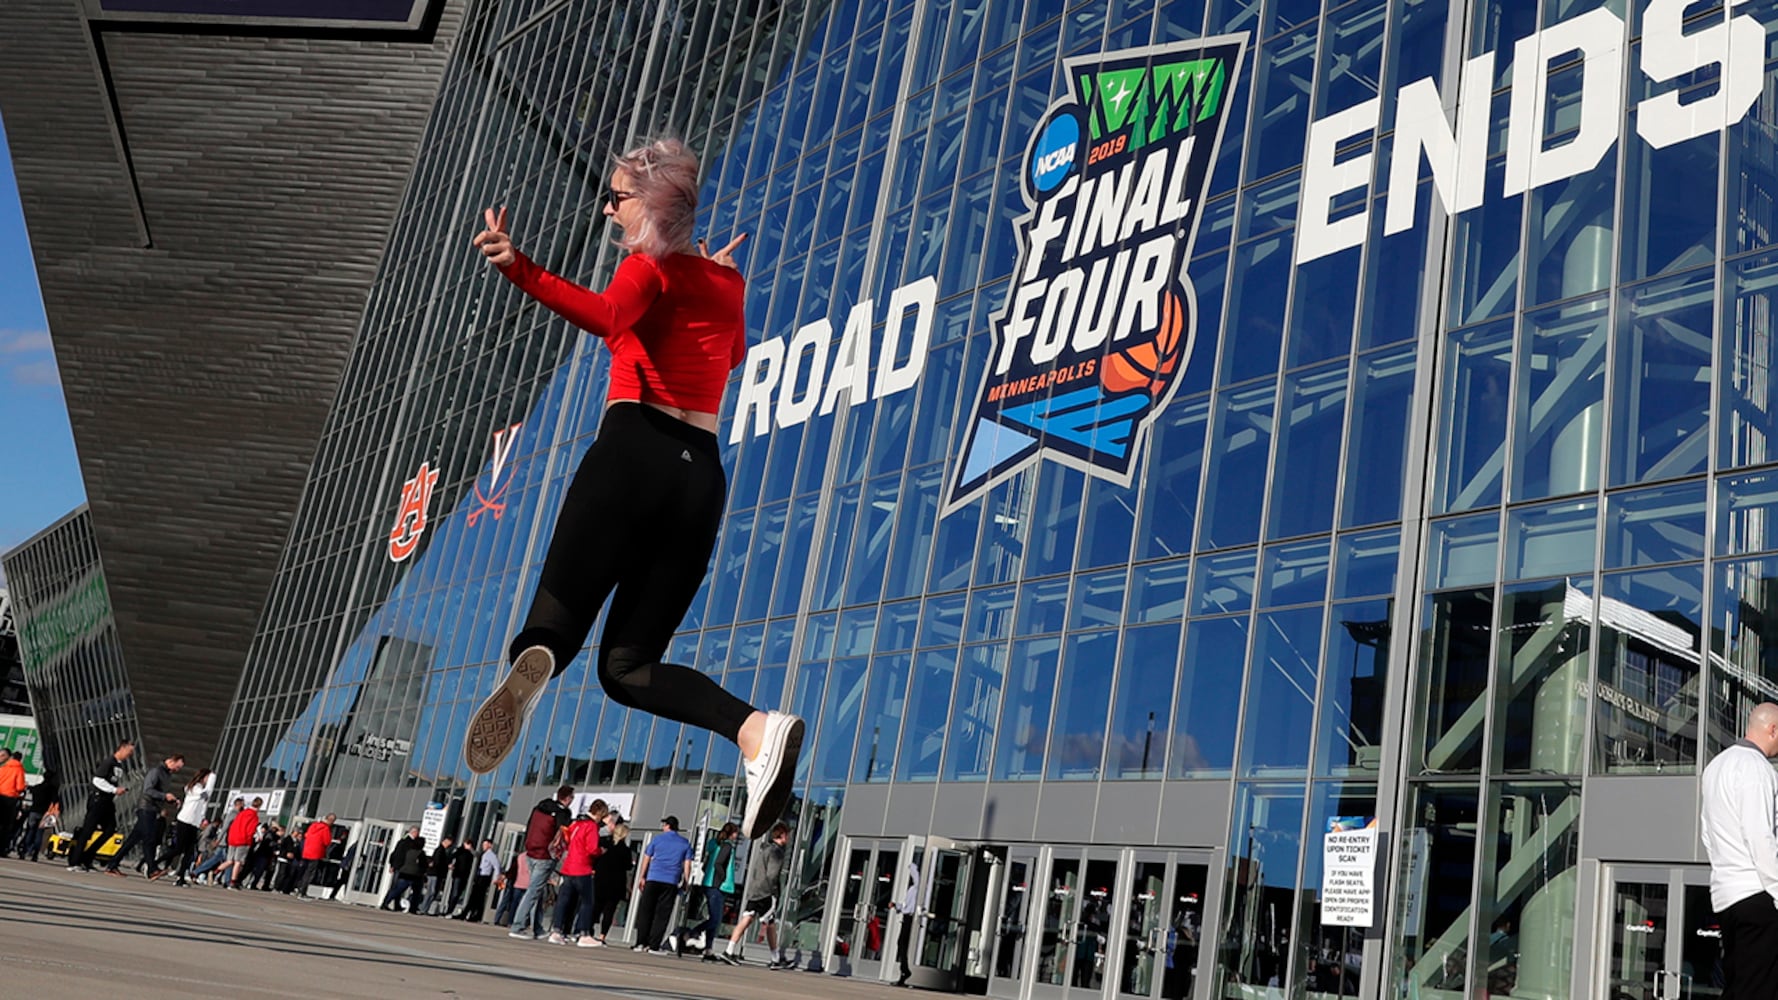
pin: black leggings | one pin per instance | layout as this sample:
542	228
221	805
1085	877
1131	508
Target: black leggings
640	517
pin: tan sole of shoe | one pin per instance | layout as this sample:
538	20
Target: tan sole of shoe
494	729
777	795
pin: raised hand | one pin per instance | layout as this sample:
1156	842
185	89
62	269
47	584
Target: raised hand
494	242
725	256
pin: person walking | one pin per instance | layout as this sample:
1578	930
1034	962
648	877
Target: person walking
157	793
186	823
101	807
487	867
611	874
317	841
13	790
549	819
765	872
462	869
720	869
408	862
438	873
1740	834
642	512
665	865
906	908
43	796
574	903
239	838
511	889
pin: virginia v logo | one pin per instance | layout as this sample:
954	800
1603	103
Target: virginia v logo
1100	318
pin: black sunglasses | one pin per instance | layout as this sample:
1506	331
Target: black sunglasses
614	197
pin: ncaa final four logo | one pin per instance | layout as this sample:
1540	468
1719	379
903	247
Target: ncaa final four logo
1101	315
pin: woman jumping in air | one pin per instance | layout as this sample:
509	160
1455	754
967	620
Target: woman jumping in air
642	513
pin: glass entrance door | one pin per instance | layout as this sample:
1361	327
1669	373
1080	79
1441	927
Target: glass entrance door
870	879
369	875
942	936
1010	905
1161	917
1075	941
1661	940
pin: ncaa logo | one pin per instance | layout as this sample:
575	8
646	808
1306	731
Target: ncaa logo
1053	153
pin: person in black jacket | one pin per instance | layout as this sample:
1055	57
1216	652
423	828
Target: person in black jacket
611	873
438	872
158	789
462	870
101	807
408	861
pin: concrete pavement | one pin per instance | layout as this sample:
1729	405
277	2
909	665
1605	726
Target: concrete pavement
89	935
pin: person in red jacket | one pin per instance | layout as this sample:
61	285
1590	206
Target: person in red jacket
240	837
642	513
575	900
317	839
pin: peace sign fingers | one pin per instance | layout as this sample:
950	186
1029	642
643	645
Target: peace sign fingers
725	256
494	242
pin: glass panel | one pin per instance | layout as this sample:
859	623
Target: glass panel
1646	701
846	939
1024	720
1279	708
1660	402
1527	875
1638	931
1453	677
1438	859
1224	583
1265	844
1551	540
1145	681
1349	739
1559	406
1745	507
1143	930
1654	526
1748	360
1485	268
1570	242
1744	669
1082	699
1306	470
1061	905
1669	200
1295	574
1462	552
1009	948
1209	701
1329	958
1539	718
1472	429
1092	935
1170	487
1376	450
1237	471
945	899
1365	564
1185	931
1700	946
881	893
1157	591
929	702
974	708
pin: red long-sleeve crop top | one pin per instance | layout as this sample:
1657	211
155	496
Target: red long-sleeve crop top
675	326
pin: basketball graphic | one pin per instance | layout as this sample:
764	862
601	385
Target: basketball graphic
1148	366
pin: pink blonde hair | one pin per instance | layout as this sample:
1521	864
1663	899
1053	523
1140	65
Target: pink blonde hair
664	177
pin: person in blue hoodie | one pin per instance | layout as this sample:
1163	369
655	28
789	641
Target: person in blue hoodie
720	870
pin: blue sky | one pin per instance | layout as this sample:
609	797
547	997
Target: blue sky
39	476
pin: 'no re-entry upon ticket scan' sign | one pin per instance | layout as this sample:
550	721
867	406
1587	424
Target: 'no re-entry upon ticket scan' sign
1348	872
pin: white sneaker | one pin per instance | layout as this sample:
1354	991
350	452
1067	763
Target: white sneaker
494	728
771	773
588	941
521	935
555	937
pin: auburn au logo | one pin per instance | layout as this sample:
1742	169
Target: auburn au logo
494	500
410	519
1101	316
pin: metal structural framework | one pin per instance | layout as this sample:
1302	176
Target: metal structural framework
1254	498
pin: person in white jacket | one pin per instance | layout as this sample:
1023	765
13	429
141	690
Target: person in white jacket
191	816
1740	831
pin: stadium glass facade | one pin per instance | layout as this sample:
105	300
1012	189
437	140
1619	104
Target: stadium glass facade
70	653
1172	432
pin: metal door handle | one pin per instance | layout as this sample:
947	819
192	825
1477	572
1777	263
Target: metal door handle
1666	985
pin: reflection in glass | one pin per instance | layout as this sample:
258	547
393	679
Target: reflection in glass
1540	680
1748	358
1552	539
1559	405
929	702
1170	486
1646	699
1453	677
1660	402
1209	699
1025	715
1527	879
1282	677
1265	847
1472	423
1082	699
1137	738
1744	653
1355	680
1438	860
1306	470
1661	525
1376	449
885	703
974	708
1329	958
1746	513
1238	471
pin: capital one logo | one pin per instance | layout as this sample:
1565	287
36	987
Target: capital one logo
410	519
1099	322
1458	155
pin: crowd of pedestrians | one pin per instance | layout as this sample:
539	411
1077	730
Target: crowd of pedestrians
565	883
